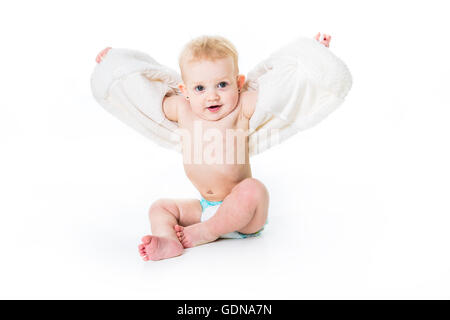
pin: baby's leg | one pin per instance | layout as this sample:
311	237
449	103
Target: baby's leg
164	215
244	209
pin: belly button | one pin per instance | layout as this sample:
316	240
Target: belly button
210	192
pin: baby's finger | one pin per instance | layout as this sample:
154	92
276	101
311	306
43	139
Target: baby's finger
99	58
318	36
102	54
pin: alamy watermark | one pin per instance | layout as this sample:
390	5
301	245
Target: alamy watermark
228	146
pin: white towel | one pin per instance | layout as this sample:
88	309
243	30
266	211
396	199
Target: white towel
298	86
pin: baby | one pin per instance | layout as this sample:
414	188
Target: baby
212	111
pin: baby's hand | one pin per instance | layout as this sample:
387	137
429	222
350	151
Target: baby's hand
102	54
326	39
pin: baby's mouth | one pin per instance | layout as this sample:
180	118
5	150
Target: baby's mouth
214	108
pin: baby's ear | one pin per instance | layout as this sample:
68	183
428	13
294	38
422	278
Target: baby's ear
240	81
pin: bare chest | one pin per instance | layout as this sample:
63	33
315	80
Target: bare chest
222	142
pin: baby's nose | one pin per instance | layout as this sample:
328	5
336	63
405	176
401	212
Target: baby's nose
212	95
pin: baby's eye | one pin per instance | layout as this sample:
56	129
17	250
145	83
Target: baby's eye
223	84
199	88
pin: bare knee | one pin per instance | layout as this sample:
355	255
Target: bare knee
163	206
254	195
252	190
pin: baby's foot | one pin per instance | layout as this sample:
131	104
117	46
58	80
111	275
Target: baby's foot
157	248
194	235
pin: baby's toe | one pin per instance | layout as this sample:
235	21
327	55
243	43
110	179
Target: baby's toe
141	249
146	239
186	243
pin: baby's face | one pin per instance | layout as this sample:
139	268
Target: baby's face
212	87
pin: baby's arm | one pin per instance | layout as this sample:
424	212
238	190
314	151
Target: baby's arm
171	105
248	101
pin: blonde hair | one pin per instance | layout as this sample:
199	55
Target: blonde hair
209	48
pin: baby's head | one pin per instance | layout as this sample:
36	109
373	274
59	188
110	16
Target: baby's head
210	73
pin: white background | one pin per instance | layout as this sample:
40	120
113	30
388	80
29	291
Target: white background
359	204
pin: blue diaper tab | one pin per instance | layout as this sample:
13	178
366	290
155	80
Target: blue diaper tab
205	203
